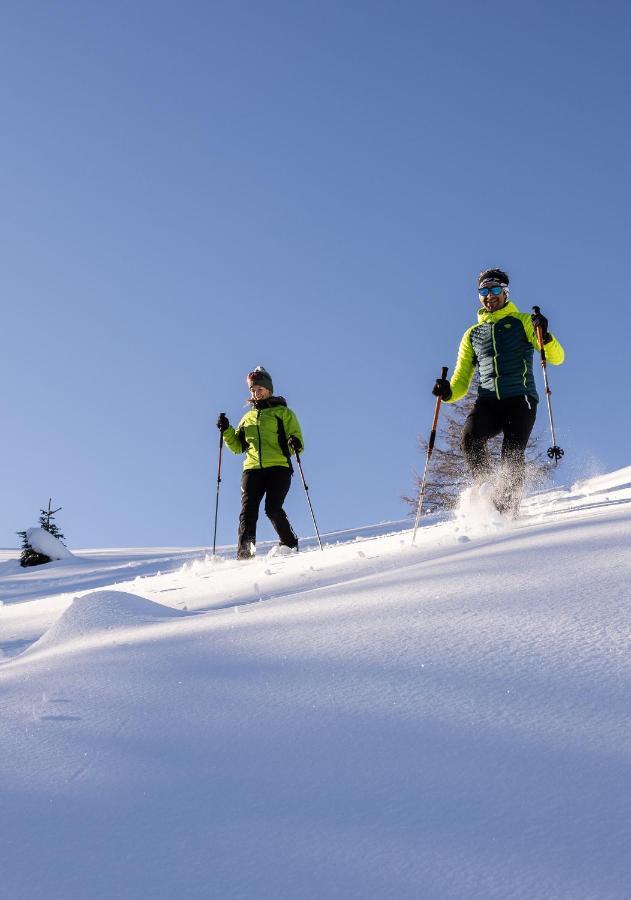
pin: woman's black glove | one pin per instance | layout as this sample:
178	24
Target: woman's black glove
222	422
442	389
294	443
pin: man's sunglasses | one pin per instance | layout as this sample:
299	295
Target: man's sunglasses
496	290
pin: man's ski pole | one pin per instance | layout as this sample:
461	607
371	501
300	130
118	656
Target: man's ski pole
218	483
304	484
430	447
554	452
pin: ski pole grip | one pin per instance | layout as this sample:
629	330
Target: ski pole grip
539	333
445	370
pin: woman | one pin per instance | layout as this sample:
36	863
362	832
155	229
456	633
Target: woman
268	434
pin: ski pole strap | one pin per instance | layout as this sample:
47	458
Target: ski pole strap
302	474
539	334
219	461
432	437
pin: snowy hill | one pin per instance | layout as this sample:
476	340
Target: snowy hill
450	720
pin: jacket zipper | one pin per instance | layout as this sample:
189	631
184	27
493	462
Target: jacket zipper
497	374
258	414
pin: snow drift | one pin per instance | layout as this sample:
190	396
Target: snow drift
101	611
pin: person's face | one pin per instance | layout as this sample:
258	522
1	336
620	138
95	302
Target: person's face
492	297
259	392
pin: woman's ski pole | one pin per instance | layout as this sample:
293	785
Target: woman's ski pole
218	483
304	484
554	452
430	447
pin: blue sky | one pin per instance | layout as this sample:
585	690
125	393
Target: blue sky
192	189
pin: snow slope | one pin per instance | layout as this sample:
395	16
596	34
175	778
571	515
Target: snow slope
450	720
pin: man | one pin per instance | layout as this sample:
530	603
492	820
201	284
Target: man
268	434
501	348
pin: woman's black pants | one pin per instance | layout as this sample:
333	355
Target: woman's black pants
273	484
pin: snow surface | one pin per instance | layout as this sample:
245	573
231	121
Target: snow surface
450	720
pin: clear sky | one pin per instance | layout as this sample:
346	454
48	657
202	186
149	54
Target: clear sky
191	189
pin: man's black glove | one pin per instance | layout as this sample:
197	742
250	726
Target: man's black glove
442	389
539	320
294	444
222	422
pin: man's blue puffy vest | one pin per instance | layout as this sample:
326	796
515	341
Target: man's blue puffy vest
504	356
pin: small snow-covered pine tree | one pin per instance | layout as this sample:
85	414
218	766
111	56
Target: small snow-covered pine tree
31	557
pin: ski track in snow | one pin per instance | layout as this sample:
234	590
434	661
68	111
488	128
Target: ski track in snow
378	720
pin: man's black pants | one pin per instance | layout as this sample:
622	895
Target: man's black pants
513	417
273	484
